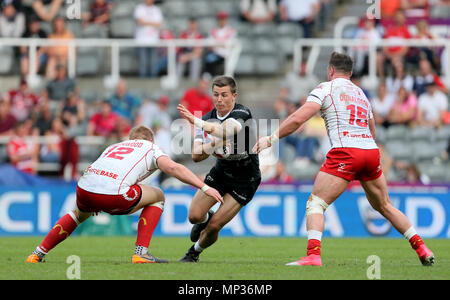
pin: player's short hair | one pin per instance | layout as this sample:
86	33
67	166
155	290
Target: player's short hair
222	81
341	62
141	132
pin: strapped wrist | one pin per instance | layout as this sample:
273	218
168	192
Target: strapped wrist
273	138
199	122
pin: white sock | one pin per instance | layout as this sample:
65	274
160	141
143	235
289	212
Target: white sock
314	235
140	250
197	247
410	233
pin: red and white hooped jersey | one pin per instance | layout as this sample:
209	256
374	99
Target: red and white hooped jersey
346	112
120	166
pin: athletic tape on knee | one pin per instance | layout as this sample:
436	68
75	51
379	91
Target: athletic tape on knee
315	205
159	204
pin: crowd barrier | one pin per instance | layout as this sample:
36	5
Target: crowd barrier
31	211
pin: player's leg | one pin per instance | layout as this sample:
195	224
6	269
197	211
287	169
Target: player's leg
326	189
223	215
200	213
152	205
227	211
62	229
377	194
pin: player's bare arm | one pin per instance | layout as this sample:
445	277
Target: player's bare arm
227	129
373	131
290	125
182	173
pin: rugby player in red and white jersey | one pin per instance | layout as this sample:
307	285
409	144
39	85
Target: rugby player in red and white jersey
112	184
354	156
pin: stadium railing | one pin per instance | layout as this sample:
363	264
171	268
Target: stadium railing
92	141
169	81
338	44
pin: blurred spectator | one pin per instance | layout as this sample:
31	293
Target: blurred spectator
191	56
122	130
382	104
73	114
149	19
51	150
258	11
416	8
301	12
155	113
45	10
429	53
123	103
103	123
33	31
43	117
23	150
12	22
404	109
410	173
22	101
388	8
298	85
395	33
58	89
426	76
16	3
99	13
360	54
281	104
303	145
69	153
324	14
197	99
215	59
160	124
7	119
399	78
164	34
432	106
57	55
313	134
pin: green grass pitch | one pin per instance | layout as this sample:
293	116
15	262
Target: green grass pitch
230	258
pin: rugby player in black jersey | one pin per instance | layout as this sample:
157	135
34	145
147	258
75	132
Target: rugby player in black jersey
227	132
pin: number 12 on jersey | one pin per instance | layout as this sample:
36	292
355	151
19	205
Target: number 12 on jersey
358	115
117	153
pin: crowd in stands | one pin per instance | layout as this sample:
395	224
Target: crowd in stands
411	91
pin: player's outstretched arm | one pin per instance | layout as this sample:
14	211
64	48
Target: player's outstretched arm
185	175
290	125
227	129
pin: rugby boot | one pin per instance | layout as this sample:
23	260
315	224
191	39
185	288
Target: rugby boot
425	255
35	257
190	256
147	259
198	228
310	260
